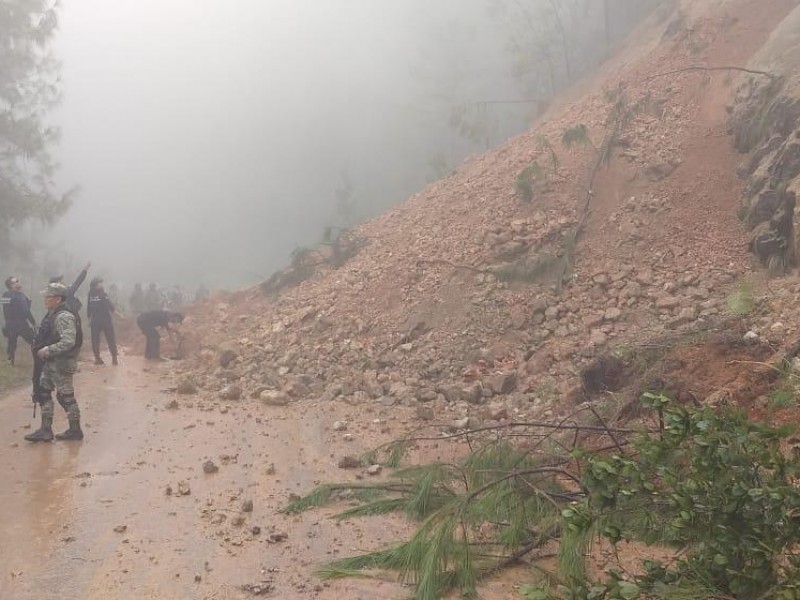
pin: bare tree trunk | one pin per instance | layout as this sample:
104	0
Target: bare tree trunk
564	42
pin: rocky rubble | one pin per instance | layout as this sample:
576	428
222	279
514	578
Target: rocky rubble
450	306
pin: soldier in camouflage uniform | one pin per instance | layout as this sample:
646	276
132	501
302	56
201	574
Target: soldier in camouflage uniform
58	343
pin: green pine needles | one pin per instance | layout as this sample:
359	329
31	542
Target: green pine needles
710	486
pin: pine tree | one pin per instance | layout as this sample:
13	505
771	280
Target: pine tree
29	87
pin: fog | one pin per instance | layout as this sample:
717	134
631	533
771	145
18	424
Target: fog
208	136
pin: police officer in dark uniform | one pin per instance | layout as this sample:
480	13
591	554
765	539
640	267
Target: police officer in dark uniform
100	309
17	315
148	322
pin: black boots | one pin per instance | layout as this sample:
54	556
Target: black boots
73	433
98	361
44	433
114	360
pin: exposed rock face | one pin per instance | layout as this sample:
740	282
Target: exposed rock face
766	124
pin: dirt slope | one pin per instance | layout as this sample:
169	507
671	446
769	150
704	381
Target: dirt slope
456	298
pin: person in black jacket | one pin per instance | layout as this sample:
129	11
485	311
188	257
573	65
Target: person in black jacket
100	309
149	322
17	315
72	300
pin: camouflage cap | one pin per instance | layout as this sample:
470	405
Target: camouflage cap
55	290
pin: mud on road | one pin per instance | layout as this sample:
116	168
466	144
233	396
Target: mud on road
106	518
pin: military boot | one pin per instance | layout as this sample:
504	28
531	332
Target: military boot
44	433
98	360
73	433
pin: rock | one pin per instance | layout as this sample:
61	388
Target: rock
425	413
340	426
452	393
473	394
231	392
278	537
171	404
247	506
687	315
274	398
226	357
237	521
186	386
209	467
255	530
667	302
183	488
374	470
387	401
349	462
168	490
750	336
612	314
503	383
597	338
466	423
120	529
777	327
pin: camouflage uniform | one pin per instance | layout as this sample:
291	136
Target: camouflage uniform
60	336
60	367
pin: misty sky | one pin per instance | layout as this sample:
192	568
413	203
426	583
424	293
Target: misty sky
208	136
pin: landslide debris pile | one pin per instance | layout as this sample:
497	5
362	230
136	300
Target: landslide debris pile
502	281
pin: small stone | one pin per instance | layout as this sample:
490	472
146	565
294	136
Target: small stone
668	302
278	537
340	426
168	490
186	387
255	530
597	338
171	404
349	462
503	383
425	413
198	578
209	467
226	357
612	314
231	392
183	488
374	469
247	506
120	529
750	336
274	398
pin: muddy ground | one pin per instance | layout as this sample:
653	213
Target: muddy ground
93	520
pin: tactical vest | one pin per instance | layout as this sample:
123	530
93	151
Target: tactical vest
47	334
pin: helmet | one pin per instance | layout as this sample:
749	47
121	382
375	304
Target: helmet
55	290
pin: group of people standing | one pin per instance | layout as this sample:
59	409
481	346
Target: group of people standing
57	342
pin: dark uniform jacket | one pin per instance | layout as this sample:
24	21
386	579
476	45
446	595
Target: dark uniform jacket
16	309
99	308
154	318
